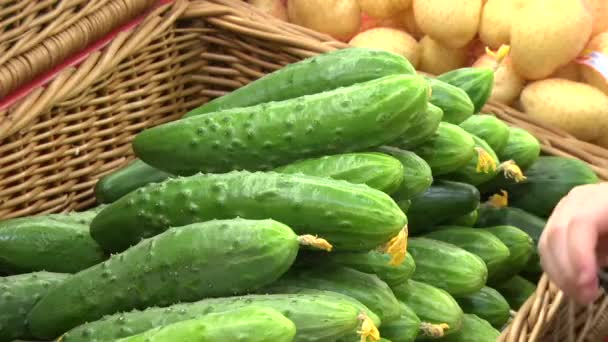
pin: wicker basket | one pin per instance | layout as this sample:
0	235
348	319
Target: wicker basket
57	141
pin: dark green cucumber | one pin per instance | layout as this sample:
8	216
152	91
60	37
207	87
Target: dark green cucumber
479	242
447	266
313	75
448	150
516	291
521	246
418	176
474	329
489	128
442	202
422	128
179	265
18	295
272	134
467	220
549	180
54	243
403	329
431	305
364	287
476	82
522	147
318	317
251	324
453	101
488	304
378	170
352	217
474	172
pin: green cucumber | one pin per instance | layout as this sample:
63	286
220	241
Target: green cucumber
418	176
350	216
312	75
364	287
453	101
522	147
55	243
431	305
318	317
479	242
521	247
516	291
474	329
18	295
272	134
180	264
377	170
489	128
422	128
442	202
447	266
476	82
467	220
549	180
474	172
450	149
488	304
403	329
252	324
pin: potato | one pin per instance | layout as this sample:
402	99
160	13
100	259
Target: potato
340	19
437	59
495	25
276	8
389	39
452	23
599	9
547	35
570	71
592	77
383	9
602	141
507	83
575	107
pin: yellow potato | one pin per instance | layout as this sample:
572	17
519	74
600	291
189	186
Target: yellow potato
599	9
570	71
452	23
389	39
437	59
507	83
276	8
340	19
577	108
496	17
410	25
383	9
592	77
547	35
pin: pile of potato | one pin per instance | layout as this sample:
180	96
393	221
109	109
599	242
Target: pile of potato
542	75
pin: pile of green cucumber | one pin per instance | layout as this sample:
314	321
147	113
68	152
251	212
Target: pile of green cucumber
341	198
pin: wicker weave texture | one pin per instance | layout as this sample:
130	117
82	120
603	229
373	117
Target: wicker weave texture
58	141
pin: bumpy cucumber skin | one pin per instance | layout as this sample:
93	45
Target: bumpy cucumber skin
403	329
521	246
450	149
476	82
114	185
474	329
431	304
418	176
479	242
489	128
447	266
442	202
453	101
467	220
422	128
522	147
488	304
377	170
352	217
272	134
179	265
252	324
516	291
364	287
19	294
318	317
468	173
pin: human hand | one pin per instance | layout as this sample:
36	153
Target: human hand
575	242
